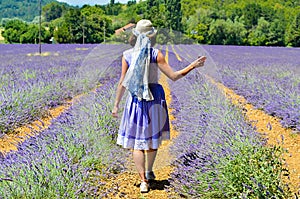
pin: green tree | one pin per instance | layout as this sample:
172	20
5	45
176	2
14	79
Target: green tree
23	9
152	3
86	25
278	24
198	24
189	7
235	32
233	11
130	3
13	30
31	35
17	31
131	14
174	15
293	32
276	33
200	33
113	8
217	32
62	34
158	16
89	10
252	12
156	12
53	11
259	35
227	32
97	26
74	21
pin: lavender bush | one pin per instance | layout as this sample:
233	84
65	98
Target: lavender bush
30	85
268	77
69	159
221	155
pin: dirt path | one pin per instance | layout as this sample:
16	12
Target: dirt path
271	128
126	185
10	141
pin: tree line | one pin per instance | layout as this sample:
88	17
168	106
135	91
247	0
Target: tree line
23	9
226	22
251	22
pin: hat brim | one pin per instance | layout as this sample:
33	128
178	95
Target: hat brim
152	34
148	35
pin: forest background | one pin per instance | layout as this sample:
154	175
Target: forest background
222	22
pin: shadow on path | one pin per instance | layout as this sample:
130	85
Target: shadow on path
157	184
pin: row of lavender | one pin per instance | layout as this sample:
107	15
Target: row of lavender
32	84
218	154
268	77
71	158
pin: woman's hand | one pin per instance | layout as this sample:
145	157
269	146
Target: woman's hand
199	62
115	112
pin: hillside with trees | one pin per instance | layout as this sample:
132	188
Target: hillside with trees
251	22
26	10
225	22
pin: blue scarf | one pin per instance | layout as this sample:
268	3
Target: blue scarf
136	78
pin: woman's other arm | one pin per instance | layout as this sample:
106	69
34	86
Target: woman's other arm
175	75
120	88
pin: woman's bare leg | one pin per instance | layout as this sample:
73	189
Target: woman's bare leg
150	158
139	160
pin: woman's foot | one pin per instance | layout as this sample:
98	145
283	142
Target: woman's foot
150	175
144	187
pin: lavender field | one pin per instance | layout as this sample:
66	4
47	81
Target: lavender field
268	77
32	84
77	154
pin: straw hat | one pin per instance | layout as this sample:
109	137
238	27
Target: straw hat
144	26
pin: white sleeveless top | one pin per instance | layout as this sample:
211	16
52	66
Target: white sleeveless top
153	68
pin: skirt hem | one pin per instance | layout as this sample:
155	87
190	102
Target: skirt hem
143	144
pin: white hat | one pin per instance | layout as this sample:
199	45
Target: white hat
144	26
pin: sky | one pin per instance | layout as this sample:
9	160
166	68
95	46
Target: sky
90	2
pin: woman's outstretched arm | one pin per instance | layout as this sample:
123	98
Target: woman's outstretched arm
120	89
175	75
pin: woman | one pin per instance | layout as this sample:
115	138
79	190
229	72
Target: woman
145	120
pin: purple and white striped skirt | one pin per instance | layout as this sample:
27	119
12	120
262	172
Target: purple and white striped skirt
145	124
